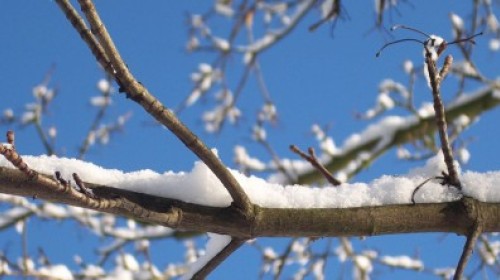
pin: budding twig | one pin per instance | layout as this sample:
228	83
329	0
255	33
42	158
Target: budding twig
86	191
11	155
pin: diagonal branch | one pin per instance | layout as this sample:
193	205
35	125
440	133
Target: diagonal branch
137	92
219	258
79	24
313	160
467	251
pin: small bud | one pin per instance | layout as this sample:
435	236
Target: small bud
10	137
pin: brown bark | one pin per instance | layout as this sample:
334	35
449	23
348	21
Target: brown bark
454	217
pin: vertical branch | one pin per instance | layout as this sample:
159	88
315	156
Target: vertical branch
435	81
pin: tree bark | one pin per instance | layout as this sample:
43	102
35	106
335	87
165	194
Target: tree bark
453	217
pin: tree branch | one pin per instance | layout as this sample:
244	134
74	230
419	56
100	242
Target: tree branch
218	259
302	222
467	251
89	39
476	230
442	127
413	128
137	92
313	160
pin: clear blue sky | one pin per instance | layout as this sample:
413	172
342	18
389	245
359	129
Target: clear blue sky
312	77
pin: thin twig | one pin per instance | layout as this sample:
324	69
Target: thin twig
283	259
313	160
467	251
137	92
87	142
43	136
418	188
288	173
219	258
272	38
435	82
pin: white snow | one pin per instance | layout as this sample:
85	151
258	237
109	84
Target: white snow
494	44
242	158
59	271
202	187
214	245
408	66
104	86
403	262
12	215
457	21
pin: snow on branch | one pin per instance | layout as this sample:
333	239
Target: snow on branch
200	186
392	131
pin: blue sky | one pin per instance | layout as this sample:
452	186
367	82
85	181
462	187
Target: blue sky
312	77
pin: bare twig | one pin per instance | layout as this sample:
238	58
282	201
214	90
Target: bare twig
87	142
219	258
283	258
311	158
435	81
43	136
288	173
332	15
418	188
271	38
137	92
468	248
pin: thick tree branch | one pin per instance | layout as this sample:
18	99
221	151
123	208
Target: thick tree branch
450	217
137	92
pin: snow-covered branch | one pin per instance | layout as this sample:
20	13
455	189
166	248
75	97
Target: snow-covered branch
197	201
392	131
